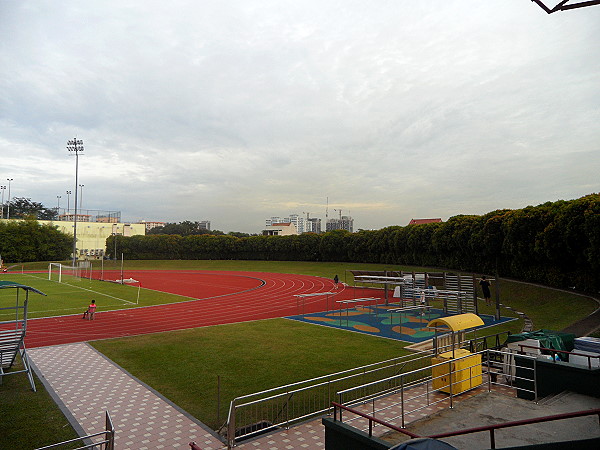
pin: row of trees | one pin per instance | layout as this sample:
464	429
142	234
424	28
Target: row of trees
22	207
27	240
556	243
189	228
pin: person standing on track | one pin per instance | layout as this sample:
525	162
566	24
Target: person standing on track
336	280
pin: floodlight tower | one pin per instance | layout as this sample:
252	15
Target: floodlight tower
8	209
68	201
3	188
75	145
81	197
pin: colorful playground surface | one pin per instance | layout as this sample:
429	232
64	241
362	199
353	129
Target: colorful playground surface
391	321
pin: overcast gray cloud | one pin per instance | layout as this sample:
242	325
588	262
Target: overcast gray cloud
235	111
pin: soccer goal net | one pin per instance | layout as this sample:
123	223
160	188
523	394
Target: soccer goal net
58	271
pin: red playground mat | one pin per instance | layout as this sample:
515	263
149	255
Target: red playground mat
215	298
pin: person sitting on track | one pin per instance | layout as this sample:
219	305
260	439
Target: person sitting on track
91	311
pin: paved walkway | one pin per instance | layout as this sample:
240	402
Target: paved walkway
85	384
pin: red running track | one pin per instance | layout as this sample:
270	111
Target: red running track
215	298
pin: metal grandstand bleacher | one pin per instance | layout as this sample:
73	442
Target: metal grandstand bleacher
458	291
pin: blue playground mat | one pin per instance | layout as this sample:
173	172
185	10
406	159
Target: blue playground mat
408	326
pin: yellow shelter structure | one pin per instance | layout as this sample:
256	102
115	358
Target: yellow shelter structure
456	370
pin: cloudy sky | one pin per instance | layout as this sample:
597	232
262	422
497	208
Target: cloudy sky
235	111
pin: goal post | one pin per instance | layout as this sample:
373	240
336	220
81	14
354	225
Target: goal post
129	282
133	283
56	271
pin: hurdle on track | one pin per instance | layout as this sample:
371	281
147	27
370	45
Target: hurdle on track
353	301
302	297
421	308
383	280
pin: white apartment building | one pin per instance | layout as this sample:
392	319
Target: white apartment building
280	229
298	221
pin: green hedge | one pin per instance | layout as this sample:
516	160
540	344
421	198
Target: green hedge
556	243
27	240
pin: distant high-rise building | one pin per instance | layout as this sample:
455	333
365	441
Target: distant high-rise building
298	221
204	225
343	223
313	225
274	219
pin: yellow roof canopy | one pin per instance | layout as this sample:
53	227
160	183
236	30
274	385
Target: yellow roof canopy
458	322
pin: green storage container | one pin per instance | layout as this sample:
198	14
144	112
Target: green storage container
548	339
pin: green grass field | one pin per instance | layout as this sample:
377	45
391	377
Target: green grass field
183	367
73	295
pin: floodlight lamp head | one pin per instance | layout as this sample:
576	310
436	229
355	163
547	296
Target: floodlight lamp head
75	145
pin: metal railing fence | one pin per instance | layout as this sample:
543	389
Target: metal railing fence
255	413
489	428
451	376
107	442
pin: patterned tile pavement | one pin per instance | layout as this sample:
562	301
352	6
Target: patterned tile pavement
86	384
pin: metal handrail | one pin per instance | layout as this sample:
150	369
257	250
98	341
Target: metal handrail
323	382
371	419
516	423
423	377
553	351
412	372
108	442
490	428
